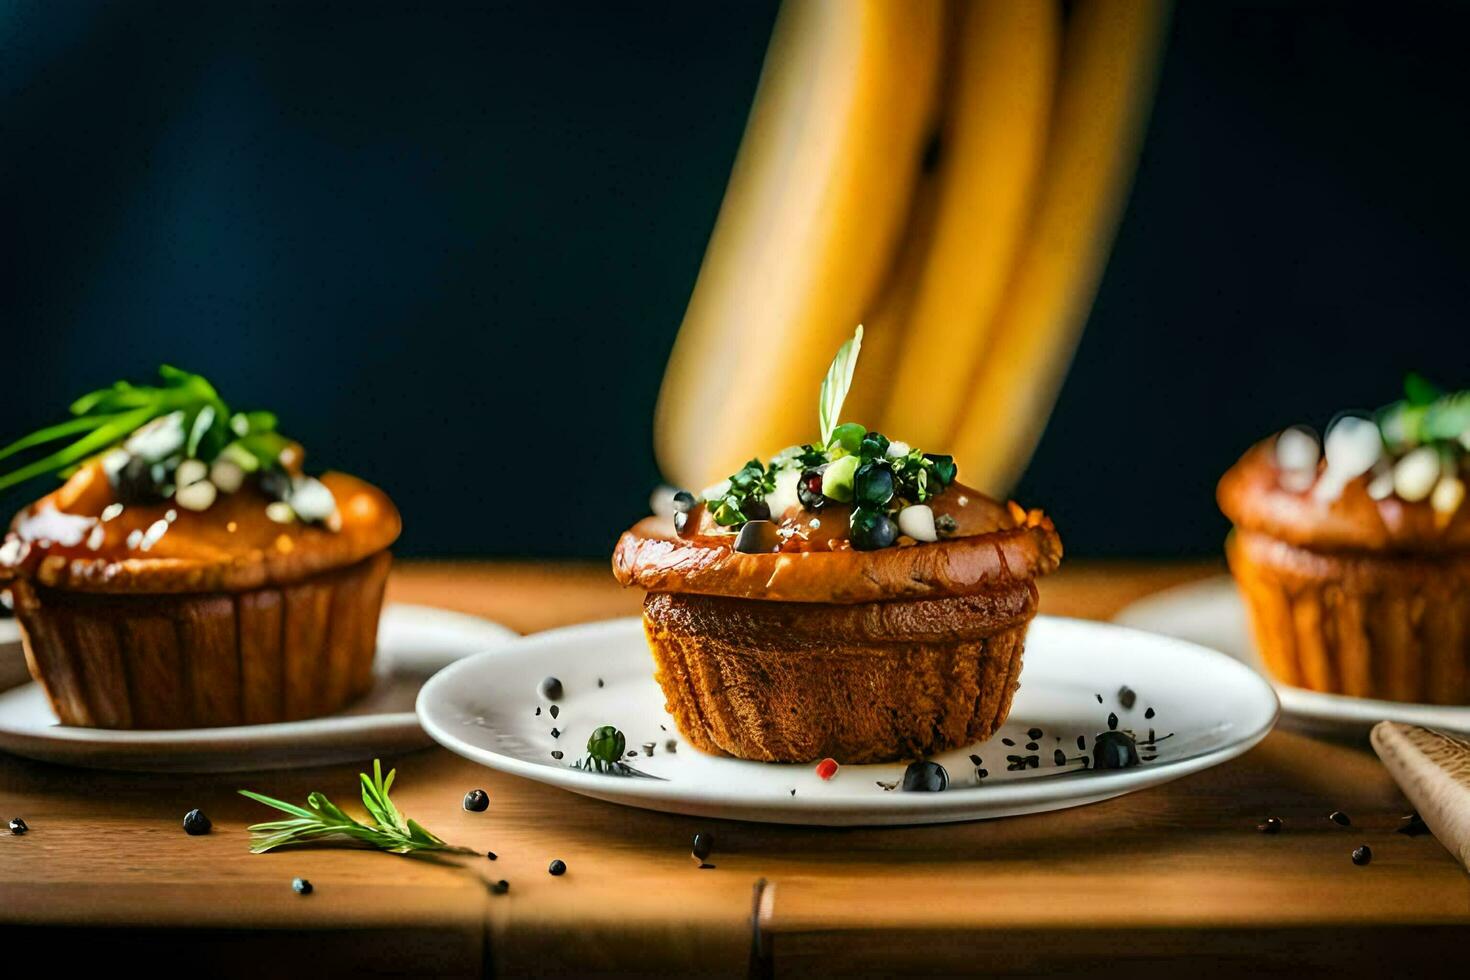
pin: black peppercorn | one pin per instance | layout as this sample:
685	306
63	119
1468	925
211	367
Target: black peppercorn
476	801
1412	825
1362	854
684	502
703	845
491	855
1114	750
301	886
1340	818
925	777
196	823
500	887
1271	825
18	826
551	689
557	868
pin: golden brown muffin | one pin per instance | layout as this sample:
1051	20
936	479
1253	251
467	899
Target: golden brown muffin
179	593
815	649
1355	568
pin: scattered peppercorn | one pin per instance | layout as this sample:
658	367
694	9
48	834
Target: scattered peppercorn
1127	698
925	777
301	886
1362	854
18	826
1272	825
551	689
196	823
555	710
1340	818
491	855
500	887
648	748
1412	825
557	754
703	845
477	801
557	868
1114	750
556	733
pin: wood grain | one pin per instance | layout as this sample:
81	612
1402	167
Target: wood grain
1176	877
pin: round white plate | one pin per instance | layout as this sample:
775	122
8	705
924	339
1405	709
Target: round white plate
1211	613
1208	708
413	643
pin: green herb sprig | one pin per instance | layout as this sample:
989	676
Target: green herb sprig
103	418
322	821
836	383
749	485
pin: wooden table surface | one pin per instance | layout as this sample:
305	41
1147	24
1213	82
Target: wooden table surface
1167	879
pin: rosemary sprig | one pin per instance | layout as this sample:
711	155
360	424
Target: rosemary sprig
325	822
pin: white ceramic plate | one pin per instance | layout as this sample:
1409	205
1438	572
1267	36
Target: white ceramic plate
1212	614
485	709
413	643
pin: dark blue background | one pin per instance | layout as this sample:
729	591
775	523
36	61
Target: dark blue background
451	246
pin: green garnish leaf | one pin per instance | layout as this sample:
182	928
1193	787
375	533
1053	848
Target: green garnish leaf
1419	390
322	821
106	417
836	383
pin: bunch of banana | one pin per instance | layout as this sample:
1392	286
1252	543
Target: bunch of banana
951	174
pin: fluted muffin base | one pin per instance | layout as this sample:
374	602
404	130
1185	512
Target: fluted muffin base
1391	627
205	660
868	682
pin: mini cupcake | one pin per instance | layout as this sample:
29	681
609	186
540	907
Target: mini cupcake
1353	555
847	599
189	573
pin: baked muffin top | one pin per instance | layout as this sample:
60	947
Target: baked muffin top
169	491
852	517
1388	481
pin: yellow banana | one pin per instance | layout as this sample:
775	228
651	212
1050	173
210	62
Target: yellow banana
818	196
1109	61
885	325
991	149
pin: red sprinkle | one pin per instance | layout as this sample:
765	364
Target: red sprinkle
827	768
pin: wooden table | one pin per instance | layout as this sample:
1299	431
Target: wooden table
1166	880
